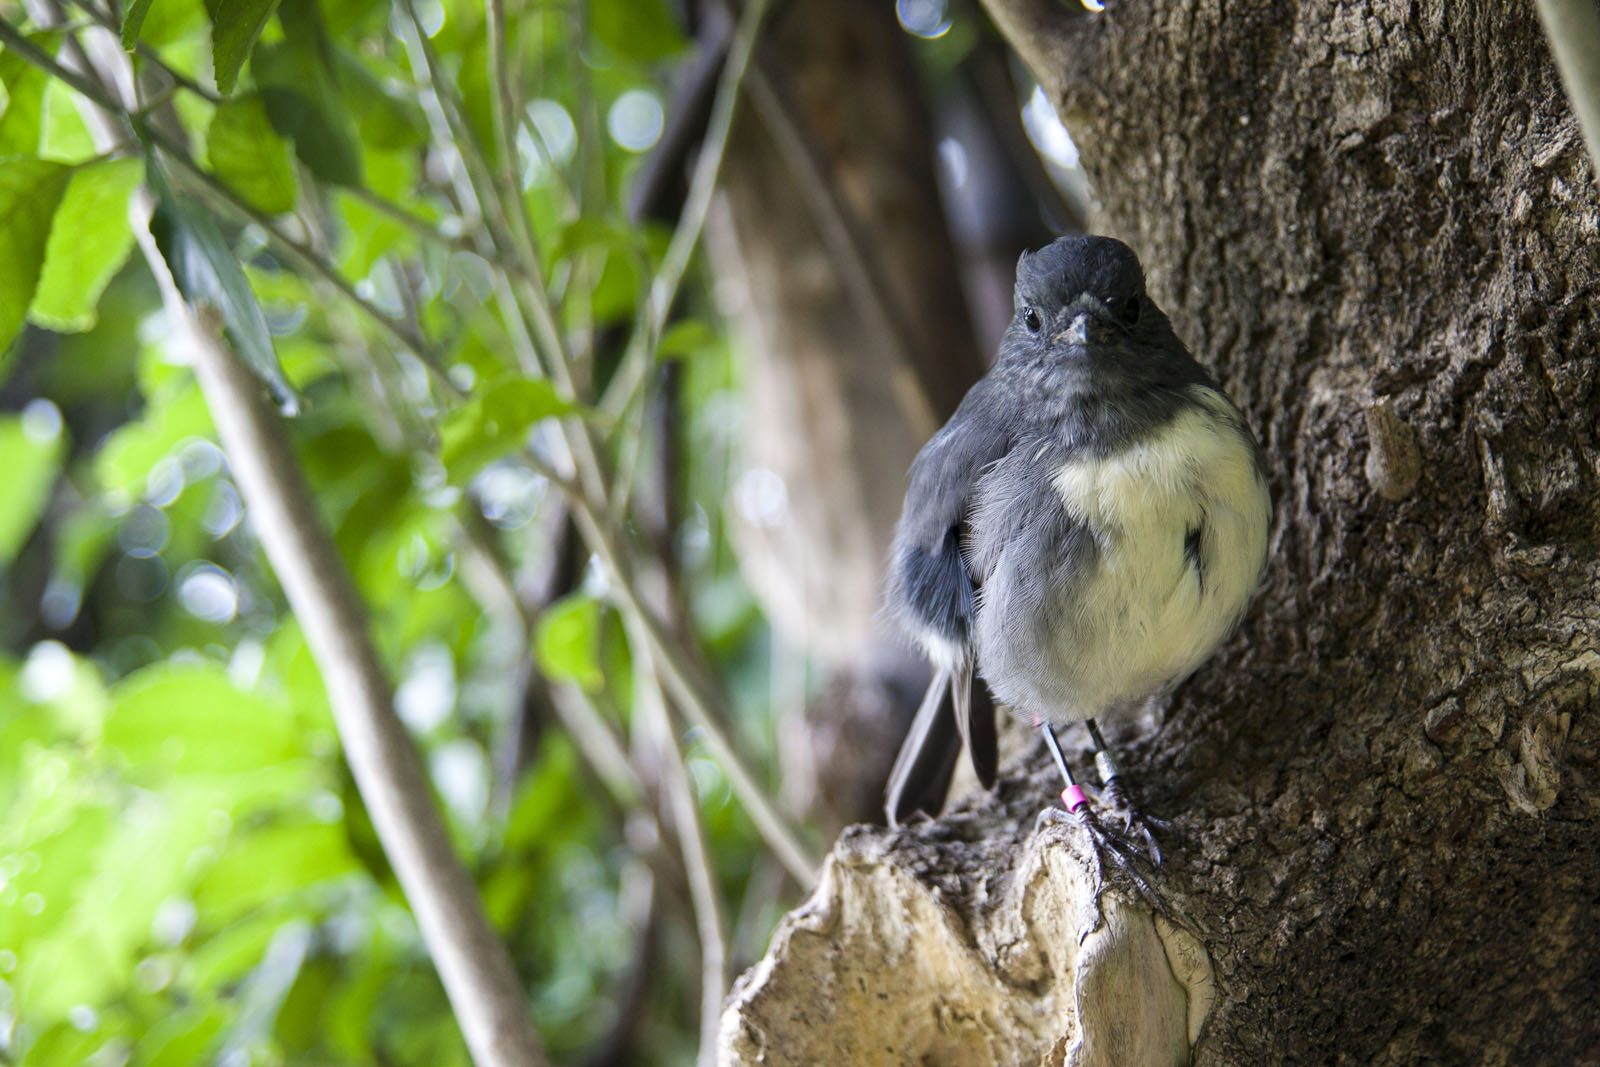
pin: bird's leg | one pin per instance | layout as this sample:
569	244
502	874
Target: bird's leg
1078	810
1114	793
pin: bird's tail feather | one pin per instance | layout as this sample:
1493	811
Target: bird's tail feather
927	761
974	712
957	712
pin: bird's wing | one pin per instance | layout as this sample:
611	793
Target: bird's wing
930	586
932	590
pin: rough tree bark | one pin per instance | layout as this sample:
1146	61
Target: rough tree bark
1376	222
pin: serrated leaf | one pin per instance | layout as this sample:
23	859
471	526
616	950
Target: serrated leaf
235	27
30	466
89	242
496	422
209	274
566	641
245	151
30	190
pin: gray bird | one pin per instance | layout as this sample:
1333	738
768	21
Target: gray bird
1082	534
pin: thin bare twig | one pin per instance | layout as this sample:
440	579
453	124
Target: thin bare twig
687	828
418	225
596	741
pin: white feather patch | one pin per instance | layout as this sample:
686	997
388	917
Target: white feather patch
1148	617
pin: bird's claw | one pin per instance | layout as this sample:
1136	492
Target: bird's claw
1109	844
1136	826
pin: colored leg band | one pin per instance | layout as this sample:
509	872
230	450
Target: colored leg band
1072	797
1106	766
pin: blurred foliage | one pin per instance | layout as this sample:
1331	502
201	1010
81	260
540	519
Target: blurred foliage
186	871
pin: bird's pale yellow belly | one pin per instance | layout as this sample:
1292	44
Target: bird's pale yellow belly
1148	616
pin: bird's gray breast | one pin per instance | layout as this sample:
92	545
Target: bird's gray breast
1106	576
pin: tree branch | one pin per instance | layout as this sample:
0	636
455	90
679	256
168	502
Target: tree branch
686	825
1573	29
692	699
1043	32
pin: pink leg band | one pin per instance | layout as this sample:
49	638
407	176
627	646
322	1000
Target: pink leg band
1072	796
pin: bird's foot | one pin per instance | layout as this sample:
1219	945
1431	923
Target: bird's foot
1136	826
1109	845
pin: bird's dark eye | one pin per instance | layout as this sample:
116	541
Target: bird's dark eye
1030	319
1130	311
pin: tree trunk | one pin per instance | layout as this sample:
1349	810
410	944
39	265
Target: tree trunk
1376	223
849	302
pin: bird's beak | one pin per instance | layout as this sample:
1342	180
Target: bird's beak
1078	332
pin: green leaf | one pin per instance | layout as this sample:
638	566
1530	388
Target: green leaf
22	117
235	26
133	449
307	108
389	122
495	423
67	840
638	31
162	24
189	719
567	641
64	136
62	1043
133	21
227	955
272	863
209	274
548	805
88	243
686	338
30	189
246	152
301	91
183	1038
30	465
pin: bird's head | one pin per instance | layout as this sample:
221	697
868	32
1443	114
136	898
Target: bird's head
1081	306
